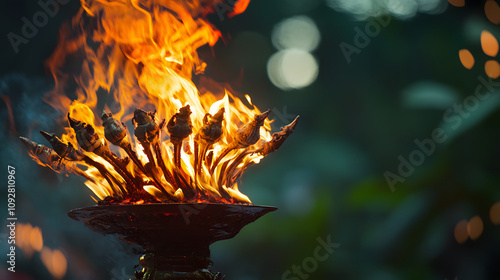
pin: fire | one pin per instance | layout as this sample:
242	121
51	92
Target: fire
172	140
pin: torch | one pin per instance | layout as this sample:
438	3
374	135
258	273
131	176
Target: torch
169	186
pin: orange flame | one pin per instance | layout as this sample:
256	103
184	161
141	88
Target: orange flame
143	54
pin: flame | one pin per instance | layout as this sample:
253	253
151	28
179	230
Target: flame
143	54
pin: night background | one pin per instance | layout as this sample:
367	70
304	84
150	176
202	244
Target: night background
395	158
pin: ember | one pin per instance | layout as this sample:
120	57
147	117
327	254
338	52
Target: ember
193	146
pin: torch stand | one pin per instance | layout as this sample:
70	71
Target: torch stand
175	237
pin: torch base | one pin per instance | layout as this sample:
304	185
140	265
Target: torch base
175	237
157	267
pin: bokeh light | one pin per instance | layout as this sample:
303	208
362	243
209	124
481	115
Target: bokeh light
489	43
30	240
492	69
292	69
466	58
23	239
403	9
492	11
475	227
457	3
495	213
55	262
299	32
36	239
461	233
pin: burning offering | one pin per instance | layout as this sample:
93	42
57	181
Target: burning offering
157	138
161	155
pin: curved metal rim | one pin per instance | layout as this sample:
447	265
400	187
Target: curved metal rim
132	208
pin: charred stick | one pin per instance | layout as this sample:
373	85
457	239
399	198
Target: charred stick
176	177
197	161
200	151
227	174
128	149
161	163
116	133
183	184
90	141
67	151
48	157
221	189
278	138
246	136
135	159
152	169
179	174
147	131
179	127
152	165
209	158
177	155
122	170
220	157
104	172
209	133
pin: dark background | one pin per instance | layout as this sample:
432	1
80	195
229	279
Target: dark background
328	179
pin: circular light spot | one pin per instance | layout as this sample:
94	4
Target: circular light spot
489	43
36	239
59	264
429	6
495	213
475	227
299	32
292	69
466	58
461	234
361	8
492	69
457	3
492	11
402	9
